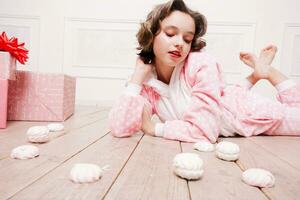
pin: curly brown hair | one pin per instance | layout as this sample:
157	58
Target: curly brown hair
151	27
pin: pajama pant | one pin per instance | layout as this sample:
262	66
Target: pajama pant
248	114
289	97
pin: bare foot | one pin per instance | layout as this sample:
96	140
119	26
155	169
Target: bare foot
261	66
267	54
261	69
248	58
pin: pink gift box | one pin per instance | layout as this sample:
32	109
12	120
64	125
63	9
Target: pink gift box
7	66
41	97
3	102
7	71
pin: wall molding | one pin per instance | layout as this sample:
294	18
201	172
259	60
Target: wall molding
289	58
244	29
13	24
102	66
105	20
226	39
92	65
20	16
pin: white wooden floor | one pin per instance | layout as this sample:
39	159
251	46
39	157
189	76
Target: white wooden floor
140	166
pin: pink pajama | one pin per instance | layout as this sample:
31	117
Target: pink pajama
189	107
195	106
249	114
290	124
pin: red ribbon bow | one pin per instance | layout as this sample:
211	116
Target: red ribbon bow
16	50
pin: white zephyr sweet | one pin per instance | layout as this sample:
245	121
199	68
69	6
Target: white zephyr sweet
188	166
38	134
85	173
227	151
258	177
204	146
53	127
25	152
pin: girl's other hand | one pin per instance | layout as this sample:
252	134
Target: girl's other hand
148	126
141	72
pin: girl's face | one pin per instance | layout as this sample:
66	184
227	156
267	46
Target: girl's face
173	43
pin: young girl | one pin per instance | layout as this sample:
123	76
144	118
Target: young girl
175	79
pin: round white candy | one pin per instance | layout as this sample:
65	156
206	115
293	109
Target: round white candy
38	134
55	127
188	166
85	173
227	151
24	152
204	146
258	177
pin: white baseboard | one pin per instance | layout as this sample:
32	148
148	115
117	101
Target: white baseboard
102	103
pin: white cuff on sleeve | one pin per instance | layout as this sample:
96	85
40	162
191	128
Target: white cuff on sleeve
159	129
284	85
246	84
133	89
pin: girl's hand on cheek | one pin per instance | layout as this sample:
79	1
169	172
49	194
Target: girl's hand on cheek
141	72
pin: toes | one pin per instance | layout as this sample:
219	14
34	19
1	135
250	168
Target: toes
244	54
275	48
270	47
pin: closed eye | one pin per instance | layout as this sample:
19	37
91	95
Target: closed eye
169	34
188	41
188	38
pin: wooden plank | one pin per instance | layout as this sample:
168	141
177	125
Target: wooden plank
12	138
18	137
287	177
221	179
24	172
79	111
148	173
284	147
16	126
107	151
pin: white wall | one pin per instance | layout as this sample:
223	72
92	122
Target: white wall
95	40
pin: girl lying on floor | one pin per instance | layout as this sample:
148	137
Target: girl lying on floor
178	81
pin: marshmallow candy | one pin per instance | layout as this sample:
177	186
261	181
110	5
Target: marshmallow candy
227	151
55	127
258	177
188	166
24	152
38	134
204	146
85	173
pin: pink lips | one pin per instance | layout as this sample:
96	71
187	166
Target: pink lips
175	54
